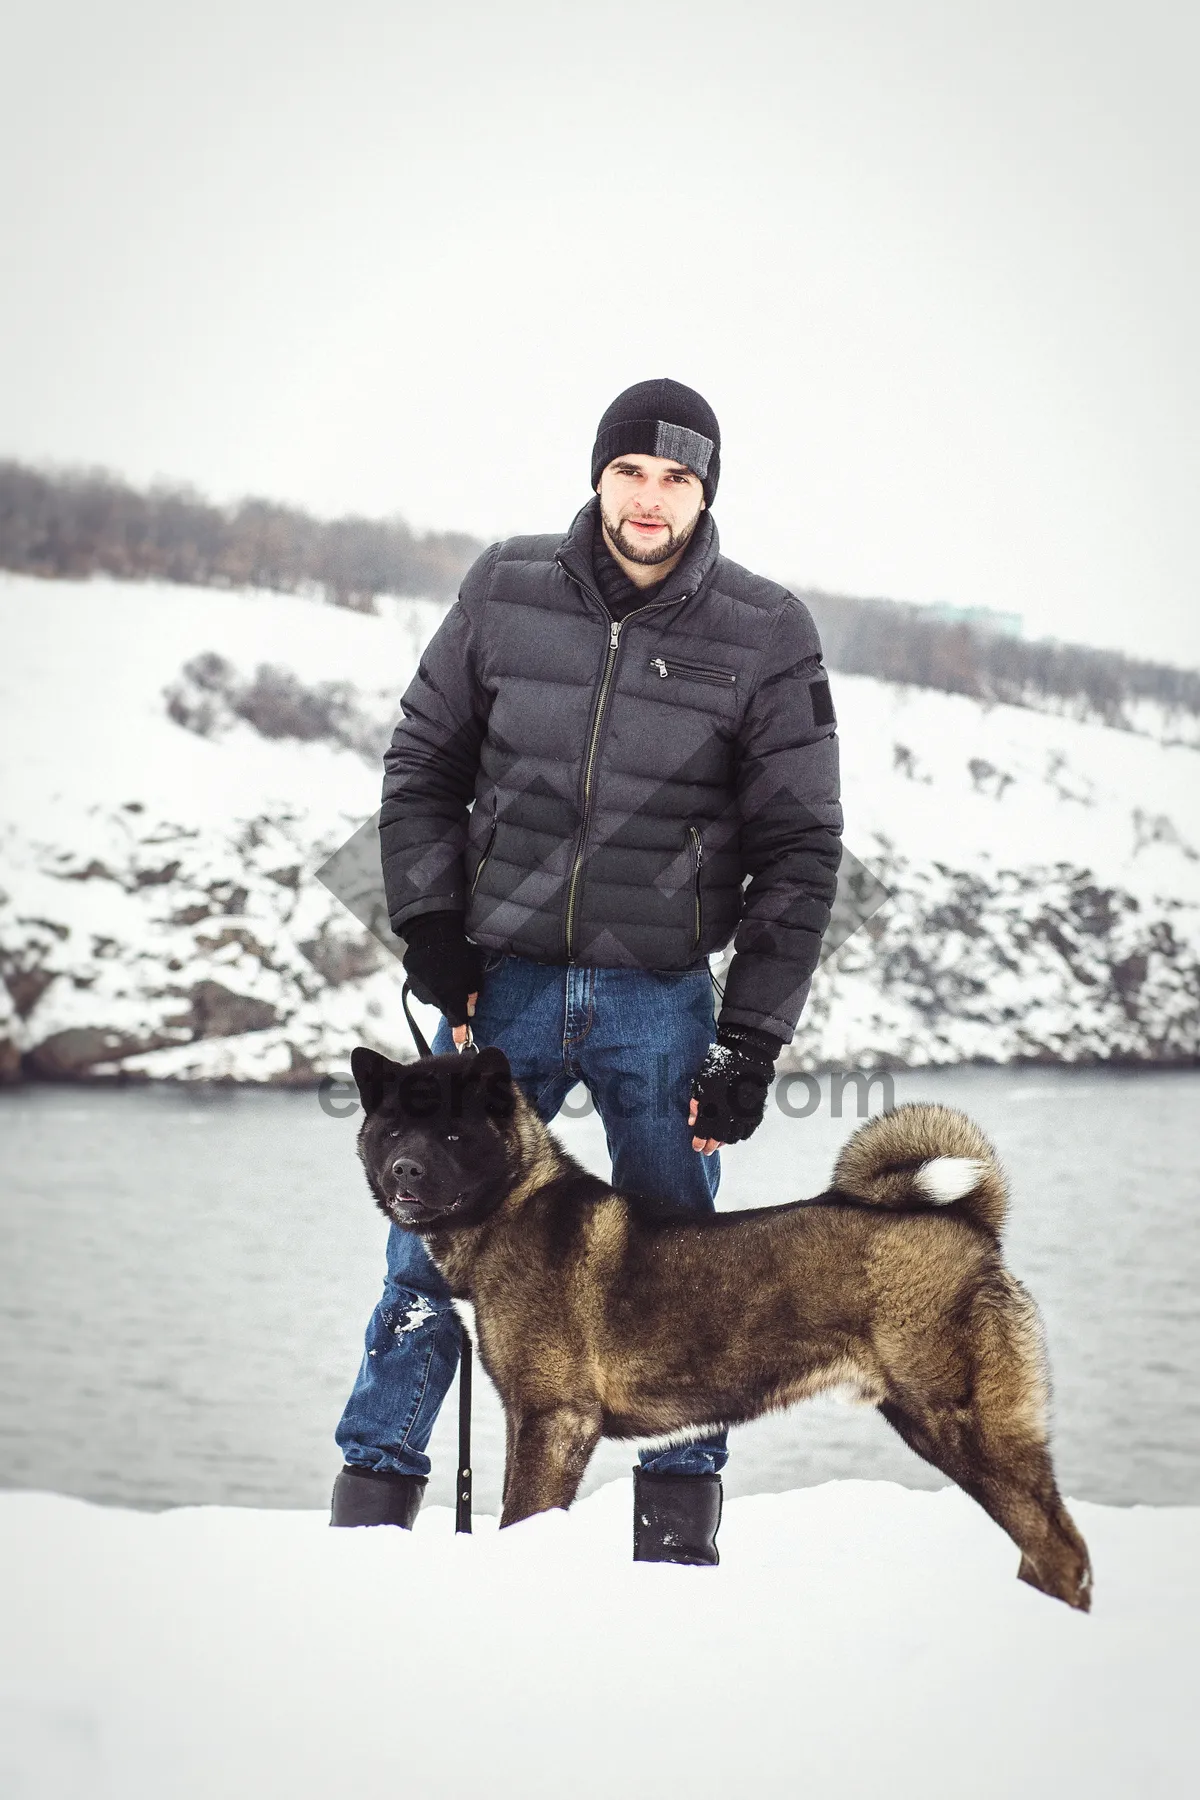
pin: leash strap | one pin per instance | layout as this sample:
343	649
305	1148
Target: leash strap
418	1035
462	1499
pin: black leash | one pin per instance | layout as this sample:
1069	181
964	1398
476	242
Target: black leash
462	1493
418	1035
462	1498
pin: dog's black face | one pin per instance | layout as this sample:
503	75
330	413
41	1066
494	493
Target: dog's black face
434	1141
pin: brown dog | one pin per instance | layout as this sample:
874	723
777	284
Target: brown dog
600	1316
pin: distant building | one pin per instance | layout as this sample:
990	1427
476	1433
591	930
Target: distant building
983	618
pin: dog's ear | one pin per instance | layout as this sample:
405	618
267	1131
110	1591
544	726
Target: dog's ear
495	1081
373	1074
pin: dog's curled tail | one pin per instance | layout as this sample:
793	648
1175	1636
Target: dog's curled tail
925	1155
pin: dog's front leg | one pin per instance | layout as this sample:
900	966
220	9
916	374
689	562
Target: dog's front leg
548	1452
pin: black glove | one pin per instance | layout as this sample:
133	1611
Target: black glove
442	964
732	1082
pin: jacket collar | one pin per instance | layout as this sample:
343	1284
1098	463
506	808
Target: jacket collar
574	554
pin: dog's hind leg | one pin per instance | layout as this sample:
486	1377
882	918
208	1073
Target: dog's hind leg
1008	1448
548	1452
1012	1480
987	1430
990	1437
1022	1496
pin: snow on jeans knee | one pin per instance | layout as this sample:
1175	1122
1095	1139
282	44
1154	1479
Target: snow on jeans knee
411	1354
408	1312
419	1343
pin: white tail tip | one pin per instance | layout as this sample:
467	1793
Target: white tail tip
947	1178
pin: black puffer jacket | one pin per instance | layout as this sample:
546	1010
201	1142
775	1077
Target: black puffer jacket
627	778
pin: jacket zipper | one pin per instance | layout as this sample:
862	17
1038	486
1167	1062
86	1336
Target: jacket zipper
691	671
614	644
698	857
487	850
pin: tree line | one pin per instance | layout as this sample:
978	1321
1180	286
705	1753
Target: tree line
900	642
73	524
88	522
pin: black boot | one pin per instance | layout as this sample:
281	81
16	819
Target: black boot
374	1497
675	1517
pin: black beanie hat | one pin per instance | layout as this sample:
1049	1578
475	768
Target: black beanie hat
661	418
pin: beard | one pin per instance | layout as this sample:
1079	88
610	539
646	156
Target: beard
648	554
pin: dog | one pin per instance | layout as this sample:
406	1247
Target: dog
599	1314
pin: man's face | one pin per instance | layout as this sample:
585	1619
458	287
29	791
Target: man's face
650	507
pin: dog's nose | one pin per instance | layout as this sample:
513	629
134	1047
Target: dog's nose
408	1171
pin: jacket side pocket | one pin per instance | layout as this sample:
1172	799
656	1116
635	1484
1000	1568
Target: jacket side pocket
697	860
487	849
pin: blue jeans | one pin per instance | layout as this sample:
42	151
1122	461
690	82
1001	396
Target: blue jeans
634	1037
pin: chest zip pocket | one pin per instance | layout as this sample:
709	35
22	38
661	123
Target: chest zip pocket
487	849
691	671
697	859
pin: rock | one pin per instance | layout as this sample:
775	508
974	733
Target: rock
218	1012
94	871
73	1052
338	958
26	986
157	877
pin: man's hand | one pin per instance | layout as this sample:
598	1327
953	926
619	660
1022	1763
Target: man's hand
729	1090
443	966
707	1145
459	1032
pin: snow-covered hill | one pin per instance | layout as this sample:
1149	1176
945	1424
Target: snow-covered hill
857	1640
160	914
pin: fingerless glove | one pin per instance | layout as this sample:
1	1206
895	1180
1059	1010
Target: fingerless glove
732	1083
442	964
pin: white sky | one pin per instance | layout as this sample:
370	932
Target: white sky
936	267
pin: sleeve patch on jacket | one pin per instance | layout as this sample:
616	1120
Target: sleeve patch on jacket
822	703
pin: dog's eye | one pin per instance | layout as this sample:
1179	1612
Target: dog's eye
452	1137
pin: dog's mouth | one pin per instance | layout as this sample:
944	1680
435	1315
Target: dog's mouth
407	1209
410	1209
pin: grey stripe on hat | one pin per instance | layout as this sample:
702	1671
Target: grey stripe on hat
680	445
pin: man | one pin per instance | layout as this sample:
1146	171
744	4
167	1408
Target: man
619	750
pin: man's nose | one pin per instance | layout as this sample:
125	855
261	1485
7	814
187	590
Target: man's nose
408	1171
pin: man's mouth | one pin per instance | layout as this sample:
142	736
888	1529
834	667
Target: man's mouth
647	525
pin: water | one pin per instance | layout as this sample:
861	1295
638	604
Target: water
187	1274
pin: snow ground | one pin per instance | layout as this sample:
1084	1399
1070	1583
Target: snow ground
858	1639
